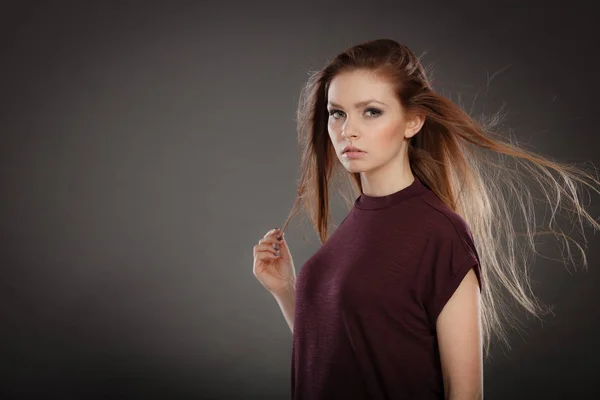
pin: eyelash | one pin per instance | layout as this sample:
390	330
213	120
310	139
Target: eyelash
376	112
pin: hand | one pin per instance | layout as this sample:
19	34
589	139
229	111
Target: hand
272	267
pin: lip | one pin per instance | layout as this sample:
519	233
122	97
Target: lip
353	154
352	149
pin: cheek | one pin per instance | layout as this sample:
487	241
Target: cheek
332	128
333	136
389	135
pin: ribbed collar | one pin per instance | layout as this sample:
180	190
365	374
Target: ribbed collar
366	202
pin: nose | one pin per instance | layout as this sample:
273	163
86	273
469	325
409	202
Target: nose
348	131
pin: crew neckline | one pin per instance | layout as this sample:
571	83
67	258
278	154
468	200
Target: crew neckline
366	202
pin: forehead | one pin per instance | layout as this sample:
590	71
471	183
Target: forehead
351	86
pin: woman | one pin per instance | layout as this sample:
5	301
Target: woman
402	299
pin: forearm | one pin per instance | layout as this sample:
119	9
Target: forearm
287	303
473	396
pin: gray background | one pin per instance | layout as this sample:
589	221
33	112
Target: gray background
146	147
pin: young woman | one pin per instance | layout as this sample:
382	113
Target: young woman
401	301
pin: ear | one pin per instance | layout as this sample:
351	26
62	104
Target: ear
414	125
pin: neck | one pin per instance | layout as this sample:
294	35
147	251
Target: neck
387	179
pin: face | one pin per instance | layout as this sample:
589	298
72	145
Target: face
365	112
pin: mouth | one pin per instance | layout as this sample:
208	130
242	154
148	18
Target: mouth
353	154
351	150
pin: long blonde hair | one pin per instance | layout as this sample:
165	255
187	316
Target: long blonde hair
485	178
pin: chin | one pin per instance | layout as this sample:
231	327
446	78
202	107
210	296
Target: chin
354	169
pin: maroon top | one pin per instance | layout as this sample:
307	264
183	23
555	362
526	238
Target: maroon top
368	299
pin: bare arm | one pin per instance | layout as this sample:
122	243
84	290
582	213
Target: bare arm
460	341
287	302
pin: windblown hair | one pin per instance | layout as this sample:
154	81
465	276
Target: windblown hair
485	178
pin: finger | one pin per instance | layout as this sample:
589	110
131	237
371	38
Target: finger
270	239
278	234
268	254
263	261
271	232
265	255
266	247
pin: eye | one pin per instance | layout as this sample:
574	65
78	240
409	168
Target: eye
332	113
375	111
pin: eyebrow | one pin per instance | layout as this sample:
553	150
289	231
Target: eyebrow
359	104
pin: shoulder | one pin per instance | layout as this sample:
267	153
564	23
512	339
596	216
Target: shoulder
439	220
445	232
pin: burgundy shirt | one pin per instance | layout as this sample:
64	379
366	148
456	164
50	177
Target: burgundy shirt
368	299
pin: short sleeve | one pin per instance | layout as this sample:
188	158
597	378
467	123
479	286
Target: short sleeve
455	256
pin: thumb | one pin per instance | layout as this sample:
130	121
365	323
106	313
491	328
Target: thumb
284	249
